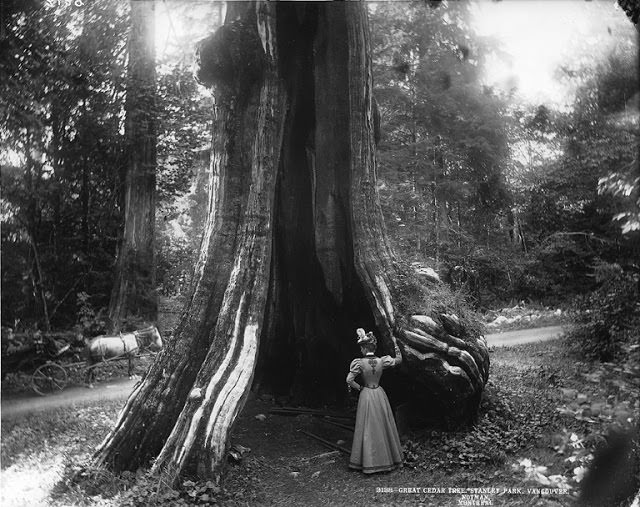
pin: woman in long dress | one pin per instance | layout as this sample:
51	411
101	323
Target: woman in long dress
376	444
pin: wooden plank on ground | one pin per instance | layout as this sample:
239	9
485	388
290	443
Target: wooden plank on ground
339	425
331	454
309	411
326	443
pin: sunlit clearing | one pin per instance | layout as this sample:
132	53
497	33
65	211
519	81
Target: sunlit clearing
541	38
181	24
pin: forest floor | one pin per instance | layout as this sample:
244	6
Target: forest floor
543	414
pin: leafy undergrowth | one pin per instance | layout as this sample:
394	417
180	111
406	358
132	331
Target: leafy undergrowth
542	417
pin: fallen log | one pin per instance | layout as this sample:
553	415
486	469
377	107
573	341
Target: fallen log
330	454
309	411
326	443
339	425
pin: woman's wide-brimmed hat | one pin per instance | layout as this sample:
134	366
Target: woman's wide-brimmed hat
365	338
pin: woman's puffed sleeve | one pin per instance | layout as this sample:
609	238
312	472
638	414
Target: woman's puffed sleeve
388	362
354	370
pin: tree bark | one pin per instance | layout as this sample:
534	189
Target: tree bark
632	10
133	296
295	254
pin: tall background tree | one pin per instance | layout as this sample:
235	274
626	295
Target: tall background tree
64	156
134	296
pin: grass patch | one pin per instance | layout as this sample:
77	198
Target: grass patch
36	450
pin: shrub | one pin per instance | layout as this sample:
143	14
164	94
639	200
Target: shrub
89	321
608	317
414	296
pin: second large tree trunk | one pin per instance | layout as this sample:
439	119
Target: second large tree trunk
133	299
295	255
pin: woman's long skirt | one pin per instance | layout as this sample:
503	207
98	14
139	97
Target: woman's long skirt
376	444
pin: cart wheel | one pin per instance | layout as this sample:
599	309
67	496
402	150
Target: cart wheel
48	378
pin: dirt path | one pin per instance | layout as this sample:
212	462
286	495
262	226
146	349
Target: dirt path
116	389
521	336
119	389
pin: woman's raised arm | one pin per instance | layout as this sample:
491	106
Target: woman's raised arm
398	358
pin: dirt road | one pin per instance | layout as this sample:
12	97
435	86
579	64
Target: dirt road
521	336
119	389
116	389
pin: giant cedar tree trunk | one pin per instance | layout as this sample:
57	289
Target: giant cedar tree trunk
294	255
133	295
